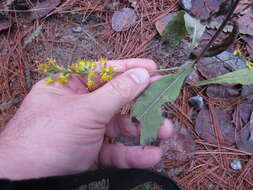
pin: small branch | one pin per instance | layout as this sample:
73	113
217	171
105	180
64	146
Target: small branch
222	26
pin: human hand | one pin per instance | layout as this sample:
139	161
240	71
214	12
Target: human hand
59	129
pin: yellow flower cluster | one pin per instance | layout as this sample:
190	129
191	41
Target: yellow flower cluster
237	52
81	67
51	66
107	74
249	65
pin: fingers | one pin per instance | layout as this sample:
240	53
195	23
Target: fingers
119	91
121	156
122	126
126	64
166	130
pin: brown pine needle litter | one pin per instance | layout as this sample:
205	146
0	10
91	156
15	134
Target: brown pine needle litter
208	167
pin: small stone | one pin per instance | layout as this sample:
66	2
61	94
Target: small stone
122	20
236	164
162	22
196	102
77	29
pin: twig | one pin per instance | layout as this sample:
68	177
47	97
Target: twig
222	26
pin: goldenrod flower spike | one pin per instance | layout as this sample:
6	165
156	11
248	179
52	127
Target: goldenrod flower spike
81	67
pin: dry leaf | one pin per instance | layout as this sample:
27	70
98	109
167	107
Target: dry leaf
205	128
180	145
244	139
162	22
122	20
245	111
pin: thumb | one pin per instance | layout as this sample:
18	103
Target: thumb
120	91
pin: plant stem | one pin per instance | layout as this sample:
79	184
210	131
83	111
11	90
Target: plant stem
162	70
156	71
84	72
222	26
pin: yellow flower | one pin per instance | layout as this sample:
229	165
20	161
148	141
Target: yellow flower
49	80
107	73
109	69
63	78
81	65
249	65
88	64
52	61
73	67
90	84
103	70
103	62
91	74
93	65
237	52
43	68
106	77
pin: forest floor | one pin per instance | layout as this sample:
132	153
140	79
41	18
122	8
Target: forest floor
75	29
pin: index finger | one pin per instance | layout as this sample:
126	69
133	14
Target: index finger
126	64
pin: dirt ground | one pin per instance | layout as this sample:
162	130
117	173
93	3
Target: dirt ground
82	29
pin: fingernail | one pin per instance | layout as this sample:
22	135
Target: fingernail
139	75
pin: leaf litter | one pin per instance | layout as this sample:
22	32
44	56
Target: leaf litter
205	127
244	139
199	170
123	19
180	145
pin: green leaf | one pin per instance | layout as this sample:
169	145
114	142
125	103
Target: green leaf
194	28
147	108
242	76
175	29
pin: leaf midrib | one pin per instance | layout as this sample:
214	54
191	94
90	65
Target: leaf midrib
163	92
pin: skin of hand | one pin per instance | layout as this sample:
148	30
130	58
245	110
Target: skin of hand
59	129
